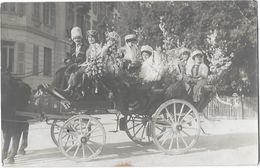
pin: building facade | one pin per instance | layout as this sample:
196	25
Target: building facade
35	37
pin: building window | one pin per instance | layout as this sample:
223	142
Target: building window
70	18
47	62
36	10
20	58
49	14
35	60
7	55
8	7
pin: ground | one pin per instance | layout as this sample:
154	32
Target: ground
227	142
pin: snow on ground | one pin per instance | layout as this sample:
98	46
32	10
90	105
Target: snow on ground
226	142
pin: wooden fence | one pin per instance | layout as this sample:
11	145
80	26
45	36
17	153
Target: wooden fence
233	108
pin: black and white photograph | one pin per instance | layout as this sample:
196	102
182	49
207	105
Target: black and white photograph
129	83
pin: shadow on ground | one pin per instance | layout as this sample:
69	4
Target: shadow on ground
130	149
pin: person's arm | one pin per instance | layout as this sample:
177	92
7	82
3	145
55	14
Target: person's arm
203	72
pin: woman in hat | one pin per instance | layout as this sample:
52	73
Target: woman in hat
199	74
152	66
131	55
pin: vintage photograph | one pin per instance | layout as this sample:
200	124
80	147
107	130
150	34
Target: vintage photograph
125	84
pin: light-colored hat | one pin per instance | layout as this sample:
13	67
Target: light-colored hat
146	48
76	31
130	37
183	50
195	53
92	33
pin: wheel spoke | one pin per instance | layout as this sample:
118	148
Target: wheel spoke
81	126
186	133
143	132
83	150
190	128
138	130
185	143
170	116
95	136
91	131
67	141
90	149
174	111
166	138
177	141
76	151
134	126
170	146
180	112
161	134
70	147
186	115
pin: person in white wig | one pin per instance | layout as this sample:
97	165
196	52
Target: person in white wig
152	67
199	74
77	57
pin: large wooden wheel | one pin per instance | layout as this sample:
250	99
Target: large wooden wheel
82	138
138	129
55	129
175	126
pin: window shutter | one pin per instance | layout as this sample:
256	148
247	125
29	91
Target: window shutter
20	58
52	6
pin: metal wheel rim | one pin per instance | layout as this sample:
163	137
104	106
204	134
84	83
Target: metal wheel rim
138	130
71	134
55	129
182	128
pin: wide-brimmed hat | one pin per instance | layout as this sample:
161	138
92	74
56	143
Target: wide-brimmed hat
196	53
147	48
76	31
130	37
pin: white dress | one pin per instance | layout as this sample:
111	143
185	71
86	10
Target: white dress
152	68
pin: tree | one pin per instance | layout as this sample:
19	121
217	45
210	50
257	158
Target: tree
225	31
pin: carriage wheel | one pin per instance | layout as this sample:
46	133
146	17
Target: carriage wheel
181	124
138	129
81	138
55	129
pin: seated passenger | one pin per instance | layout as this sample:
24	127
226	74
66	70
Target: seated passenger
131	55
199	74
179	87
152	66
92	67
78	55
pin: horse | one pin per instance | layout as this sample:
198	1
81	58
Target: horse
15	96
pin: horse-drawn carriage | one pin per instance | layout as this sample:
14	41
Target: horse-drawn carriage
173	125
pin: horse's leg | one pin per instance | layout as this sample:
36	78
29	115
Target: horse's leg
15	143
24	139
7	138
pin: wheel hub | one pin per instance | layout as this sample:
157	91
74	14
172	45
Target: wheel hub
83	139
179	127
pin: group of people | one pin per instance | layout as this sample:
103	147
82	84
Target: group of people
145	63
